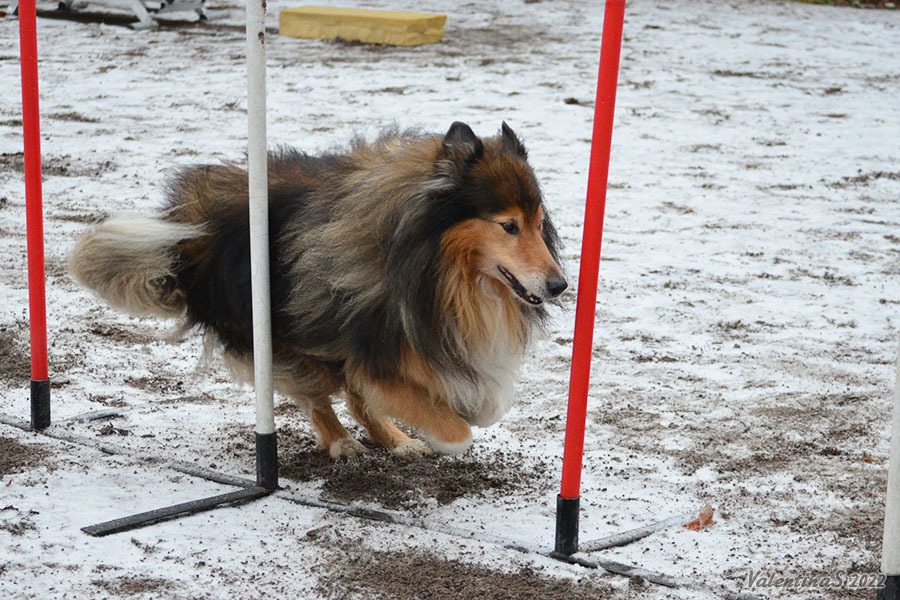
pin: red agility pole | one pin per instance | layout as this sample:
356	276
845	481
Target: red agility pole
604	108
40	381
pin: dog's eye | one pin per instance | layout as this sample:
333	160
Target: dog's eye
510	227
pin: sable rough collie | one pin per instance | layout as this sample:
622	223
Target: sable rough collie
408	274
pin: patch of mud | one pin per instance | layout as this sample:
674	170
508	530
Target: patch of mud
71	116
15	521
749	74
110	429
120	334
56	166
397	482
86	218
159	384
503	38
15	356
865	178
133	586
15	367
106	400
16	457
411	575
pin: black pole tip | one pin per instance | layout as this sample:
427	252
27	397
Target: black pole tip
267	461
566	525
40	404
891	589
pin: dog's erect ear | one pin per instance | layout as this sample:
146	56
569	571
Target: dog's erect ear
462	145
511	142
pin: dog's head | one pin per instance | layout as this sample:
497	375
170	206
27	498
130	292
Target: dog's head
506	233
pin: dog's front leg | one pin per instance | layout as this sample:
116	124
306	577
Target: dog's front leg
445	430
382	431
332	435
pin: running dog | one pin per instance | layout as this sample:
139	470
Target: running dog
408	273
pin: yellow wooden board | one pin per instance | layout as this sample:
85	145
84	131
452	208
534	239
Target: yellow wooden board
392	27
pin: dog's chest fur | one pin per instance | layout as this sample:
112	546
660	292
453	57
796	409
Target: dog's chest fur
484	399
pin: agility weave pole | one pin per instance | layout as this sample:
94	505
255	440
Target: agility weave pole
34	217
266	444
567	503
257	157
890	547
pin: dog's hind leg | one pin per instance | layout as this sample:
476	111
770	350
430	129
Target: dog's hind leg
311	386
382	431
332	435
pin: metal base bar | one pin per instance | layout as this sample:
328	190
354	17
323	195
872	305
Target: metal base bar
891	589
566	526
632	535
173	512
40	404
267	461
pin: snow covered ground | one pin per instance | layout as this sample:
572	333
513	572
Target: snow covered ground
745	336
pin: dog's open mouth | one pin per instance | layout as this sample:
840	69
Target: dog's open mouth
519	289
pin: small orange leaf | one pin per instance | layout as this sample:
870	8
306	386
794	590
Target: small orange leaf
705	518
870	459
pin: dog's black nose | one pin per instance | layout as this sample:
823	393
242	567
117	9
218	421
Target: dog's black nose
556	286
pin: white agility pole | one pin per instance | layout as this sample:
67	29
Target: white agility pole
266	446
890	547
266	452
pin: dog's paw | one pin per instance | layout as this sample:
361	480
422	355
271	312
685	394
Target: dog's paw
346	447
412	449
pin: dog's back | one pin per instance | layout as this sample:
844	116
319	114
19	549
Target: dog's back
193	258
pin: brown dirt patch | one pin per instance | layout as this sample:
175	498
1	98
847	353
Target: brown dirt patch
396	482
71	116
56	166
15	368
91	218
17	529
16	457
16	522
422	576
120	334
865	178
158	384
132	586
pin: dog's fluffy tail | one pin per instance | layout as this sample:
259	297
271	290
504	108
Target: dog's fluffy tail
130	262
